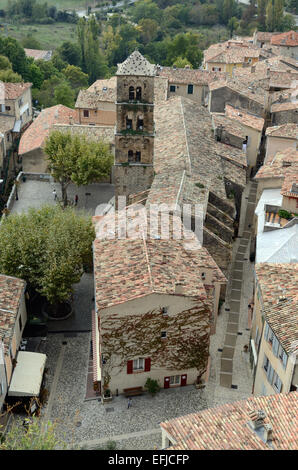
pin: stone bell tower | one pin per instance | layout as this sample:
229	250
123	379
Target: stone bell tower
134	133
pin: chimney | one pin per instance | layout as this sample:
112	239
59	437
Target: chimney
179	288
268	432
257	418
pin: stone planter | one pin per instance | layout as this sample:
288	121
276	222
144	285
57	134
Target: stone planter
107	399
49	316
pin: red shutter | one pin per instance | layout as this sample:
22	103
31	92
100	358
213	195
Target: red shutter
129	367
166	382
183	379
147	364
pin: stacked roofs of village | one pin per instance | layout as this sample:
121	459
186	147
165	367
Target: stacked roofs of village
278	285
151	262
11	291
14	90
259	423
34	137
280	165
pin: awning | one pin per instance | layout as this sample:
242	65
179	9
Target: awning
17	126
27	375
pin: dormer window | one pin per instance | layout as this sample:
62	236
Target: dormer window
131	93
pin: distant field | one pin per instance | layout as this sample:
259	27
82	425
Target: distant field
60	4
50	36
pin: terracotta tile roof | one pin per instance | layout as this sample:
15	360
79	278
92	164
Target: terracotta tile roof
289	187
289	130
263	36
278	107
281	164
90	100
34	137
190	76
128	268
38	54
244	117
288	39
160	89
11	291
226	427
6	122
104	83
240	88
230	125
235	55
278	284
14	90
184	145
235	50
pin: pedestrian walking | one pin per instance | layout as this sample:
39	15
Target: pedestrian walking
76	199
55	194
129	403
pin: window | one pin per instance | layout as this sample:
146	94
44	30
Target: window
7	108
131	93
140	124
203	276
20	102
163	334
138	93
175	379
20	323
172	88
164	311
257	337
283	357
138	364
190	89
266	363
86	113
138	156
277	383
128	123
130	156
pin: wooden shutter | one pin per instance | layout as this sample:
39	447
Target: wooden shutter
147	364
129	367
166	382
183	380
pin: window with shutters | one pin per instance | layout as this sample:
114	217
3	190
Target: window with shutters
277	383
283	357
138	364
266	363
175	379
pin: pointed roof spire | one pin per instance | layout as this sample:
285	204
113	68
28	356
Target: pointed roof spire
136	64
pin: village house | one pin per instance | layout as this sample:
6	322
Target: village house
284	112
274	331
96	105
18	103
280	138
261	38
285	44
13	317
156	302
258	423
38	54
33	139
227	56
187	82
238	95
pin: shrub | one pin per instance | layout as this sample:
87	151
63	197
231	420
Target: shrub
283	214
152	386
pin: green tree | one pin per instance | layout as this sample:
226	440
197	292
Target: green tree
262	4
64	94
29	42
152	386
70	53
48	248
232	25
148	29
35	75
270	20
288	23
37	437
181	63
76	77
5	63
278	14
11	48
8	75
73	159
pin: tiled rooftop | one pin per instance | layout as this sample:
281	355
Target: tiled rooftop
289	187
229	125
38	54
34	137
240	88
14	90
226	427
186	76
11	291
277	107
103	83
281	164
289	130
136	64
91	100
244	117
278	283
128	268
288	39
235	55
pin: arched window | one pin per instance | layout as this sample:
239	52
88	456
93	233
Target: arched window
130	156
131	93
138	157
138	93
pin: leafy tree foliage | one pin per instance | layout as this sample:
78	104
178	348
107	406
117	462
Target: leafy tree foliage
73	159
47	248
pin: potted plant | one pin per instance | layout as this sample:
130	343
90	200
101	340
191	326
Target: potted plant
107	396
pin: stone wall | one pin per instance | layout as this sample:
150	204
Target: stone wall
219	228
283	117
223	205
220	215
145	83
220	251
132	179
222	96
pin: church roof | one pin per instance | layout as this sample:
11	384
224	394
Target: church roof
136	64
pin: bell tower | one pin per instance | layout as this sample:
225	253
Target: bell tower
134	133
